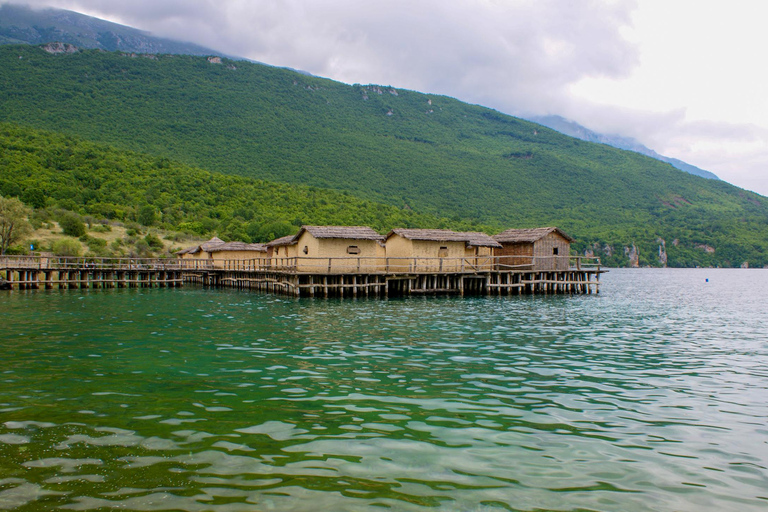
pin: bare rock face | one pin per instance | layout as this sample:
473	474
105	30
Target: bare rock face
634	256
662	251
56	48
214	60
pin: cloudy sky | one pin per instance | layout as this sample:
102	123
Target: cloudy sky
684	77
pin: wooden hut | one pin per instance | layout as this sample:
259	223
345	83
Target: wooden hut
216	251
535	249
333	249
237	251
282	253
200	251
436	250
479	250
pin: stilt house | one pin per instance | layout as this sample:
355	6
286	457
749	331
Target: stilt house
536	249
200	251
282	253
331	249
435	250
216	251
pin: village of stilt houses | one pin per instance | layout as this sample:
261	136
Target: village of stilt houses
341	261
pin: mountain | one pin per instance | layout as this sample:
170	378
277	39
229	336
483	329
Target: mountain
573	129
418	152
24	25
20	24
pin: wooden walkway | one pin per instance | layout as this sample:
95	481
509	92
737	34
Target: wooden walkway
40	272
312	277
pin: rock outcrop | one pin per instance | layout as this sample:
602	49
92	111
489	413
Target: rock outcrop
633	254
56	48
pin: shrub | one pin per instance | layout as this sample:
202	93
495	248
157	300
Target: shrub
17	250
66	247
153	241
71	225
142	249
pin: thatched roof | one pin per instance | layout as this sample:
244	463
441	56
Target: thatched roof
342	232
238	246
211	244
205	246
529	235
477	239
471	238
285	240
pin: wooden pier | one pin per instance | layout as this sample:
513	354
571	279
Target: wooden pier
396	277
42	272
310	277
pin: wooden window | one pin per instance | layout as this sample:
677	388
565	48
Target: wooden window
353	249
443	252
554	251
306	250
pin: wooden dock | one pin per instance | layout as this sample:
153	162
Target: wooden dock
396	277
311	277
42	272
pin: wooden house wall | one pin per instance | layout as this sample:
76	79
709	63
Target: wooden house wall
543	250
481	258
514	256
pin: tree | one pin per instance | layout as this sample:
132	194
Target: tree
71	225
147	216
14	226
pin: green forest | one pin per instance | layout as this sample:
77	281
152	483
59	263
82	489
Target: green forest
52	171
230	147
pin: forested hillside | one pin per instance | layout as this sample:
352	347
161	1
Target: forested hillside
426	153
49	170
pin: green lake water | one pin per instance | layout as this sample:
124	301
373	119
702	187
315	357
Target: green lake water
652	396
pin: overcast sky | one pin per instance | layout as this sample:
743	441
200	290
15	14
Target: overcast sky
684	77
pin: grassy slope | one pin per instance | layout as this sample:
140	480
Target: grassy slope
446	158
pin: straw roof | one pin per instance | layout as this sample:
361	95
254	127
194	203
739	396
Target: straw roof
529	235
343	232
284	240
238	246
211	244
205	246
471	238
477	239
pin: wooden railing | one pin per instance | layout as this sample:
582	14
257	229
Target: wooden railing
394	265
69	263
349	264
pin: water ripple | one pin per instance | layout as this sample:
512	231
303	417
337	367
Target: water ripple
652	396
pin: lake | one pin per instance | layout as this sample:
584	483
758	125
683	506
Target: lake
651	396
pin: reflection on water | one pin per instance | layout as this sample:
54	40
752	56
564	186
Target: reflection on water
651	396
